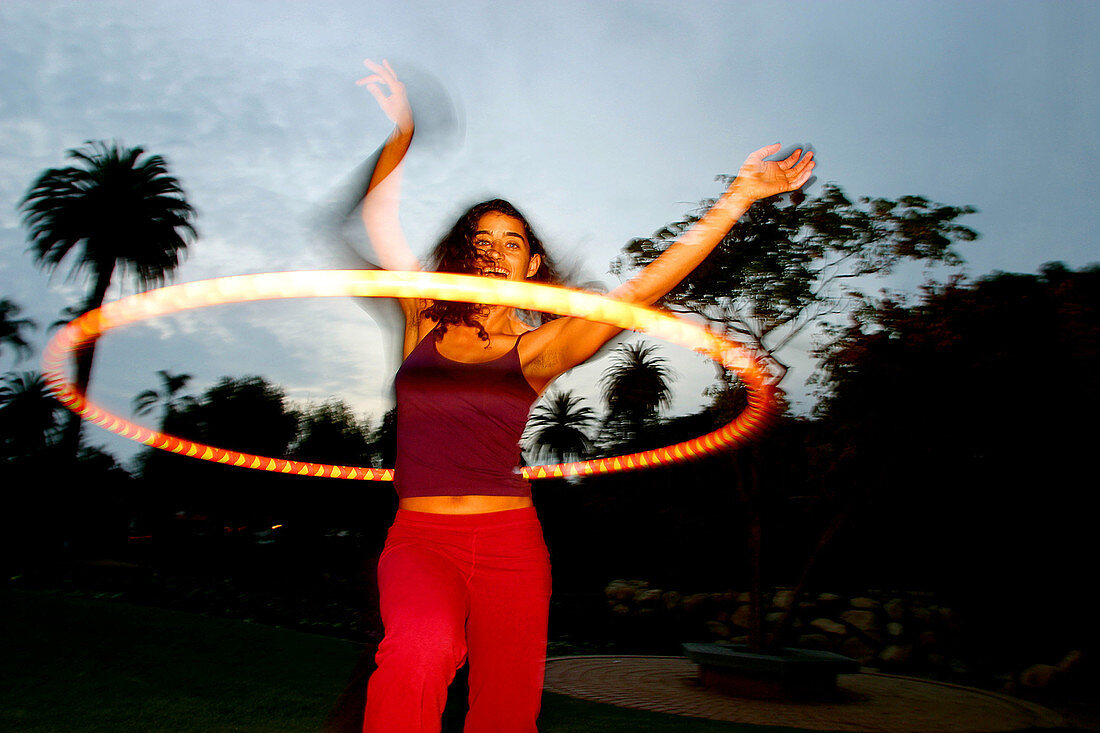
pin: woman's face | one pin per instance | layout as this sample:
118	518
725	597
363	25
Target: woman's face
503	249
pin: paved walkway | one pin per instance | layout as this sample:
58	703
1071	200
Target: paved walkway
868	701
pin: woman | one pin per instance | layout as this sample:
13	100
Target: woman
465	572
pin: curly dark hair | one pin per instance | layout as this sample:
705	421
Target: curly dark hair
457	253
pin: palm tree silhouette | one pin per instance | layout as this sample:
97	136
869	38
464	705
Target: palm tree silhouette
557	428
29	416
636	387
170	385
11	328
116	209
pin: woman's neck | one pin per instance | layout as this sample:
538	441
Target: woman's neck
501	320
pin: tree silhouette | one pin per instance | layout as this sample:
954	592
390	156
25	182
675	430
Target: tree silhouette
789	262
636	386
12	328
329	432
29	416
66	314
782	268
248	414
557	428
115	209
384	440
166	396
972	406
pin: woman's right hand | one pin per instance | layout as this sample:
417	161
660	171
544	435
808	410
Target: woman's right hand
395	103
759	178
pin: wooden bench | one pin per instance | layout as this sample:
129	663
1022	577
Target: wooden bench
782	674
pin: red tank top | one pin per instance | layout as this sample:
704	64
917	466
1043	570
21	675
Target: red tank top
459	424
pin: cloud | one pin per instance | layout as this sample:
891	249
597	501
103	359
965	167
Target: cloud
604	121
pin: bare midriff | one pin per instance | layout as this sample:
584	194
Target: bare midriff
468	504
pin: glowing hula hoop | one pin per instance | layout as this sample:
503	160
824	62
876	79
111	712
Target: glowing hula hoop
438	286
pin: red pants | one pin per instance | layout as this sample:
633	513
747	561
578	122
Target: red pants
452	585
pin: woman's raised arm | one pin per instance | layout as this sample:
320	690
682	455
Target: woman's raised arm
567	342
756	179
381	205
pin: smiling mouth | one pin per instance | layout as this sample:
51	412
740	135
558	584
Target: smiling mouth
494	272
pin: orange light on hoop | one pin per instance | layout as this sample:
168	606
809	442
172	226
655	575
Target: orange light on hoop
394	284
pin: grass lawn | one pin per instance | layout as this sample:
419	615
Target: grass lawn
69	664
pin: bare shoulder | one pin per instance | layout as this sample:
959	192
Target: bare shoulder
557	346
536	342
539	358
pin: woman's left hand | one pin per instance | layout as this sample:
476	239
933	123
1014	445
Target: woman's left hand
759	178
396	103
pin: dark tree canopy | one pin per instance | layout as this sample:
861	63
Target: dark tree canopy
247	414
329	432
115	210
966	419
558	428
12	329
782	267
787	263
30	417
168	398
636	386
1007	349
252	415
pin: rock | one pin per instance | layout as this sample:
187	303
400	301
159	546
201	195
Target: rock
928	638
742	617
895	609
828	599
695	600
719	629
896	654
958	666
743	597
949	617
861	619
857	649
828	626
672	600
772	619
864	603
1071	660
783	599
724	598
895	628
921	614
1039	676
649	597
620	591
620	609
815	641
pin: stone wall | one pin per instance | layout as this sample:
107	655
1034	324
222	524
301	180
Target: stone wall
901	633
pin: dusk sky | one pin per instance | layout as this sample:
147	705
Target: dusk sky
602	121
